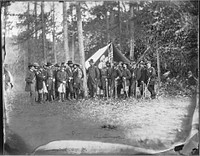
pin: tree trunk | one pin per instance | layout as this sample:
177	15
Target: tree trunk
43	33
53	34
120	29
73	37
81	45
28	40
158	66
108	26
112	21
65	34
107	22
73	46
132	41
35	8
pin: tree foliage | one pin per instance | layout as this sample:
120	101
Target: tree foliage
171	27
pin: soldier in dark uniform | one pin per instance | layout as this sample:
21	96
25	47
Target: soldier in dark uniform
62	79
133	79
142	77
151	74
93	76
115	79
78	82
40	83
126	75
50	79
36	69
45	95
119	80
30	83
104	80
69	89
56	69
109	73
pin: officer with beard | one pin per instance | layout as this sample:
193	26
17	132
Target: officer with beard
93	78
115	80
151	74
50	81
126	75
142	77
69	85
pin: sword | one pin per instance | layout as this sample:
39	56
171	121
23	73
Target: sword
136	84
115	88
143	90
107	88
124	79
147	85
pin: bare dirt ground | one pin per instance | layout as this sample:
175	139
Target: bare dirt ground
151	124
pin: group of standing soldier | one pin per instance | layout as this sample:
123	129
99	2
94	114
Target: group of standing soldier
65	81
120	80
50	82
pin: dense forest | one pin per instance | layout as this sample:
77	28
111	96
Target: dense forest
169	28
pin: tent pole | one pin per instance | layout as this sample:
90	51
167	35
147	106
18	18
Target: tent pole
111	47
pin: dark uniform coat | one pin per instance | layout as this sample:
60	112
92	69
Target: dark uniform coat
77	77
93	79
61	76
93	75
127	75
30	84
41	76
70	82
103	78
50	77
151	74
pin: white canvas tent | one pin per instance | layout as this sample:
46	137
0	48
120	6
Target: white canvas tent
109	51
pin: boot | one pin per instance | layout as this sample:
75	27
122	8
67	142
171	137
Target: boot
71	96
39	98
59	97
63	97
46	98
49	97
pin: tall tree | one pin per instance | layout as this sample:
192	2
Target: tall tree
35	11
43	33
27	51
120	26
81	45
65	29
53	33
157	51
108	24
73	46
28	40
132	40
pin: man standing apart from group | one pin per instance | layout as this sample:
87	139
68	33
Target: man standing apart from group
151	74
30	83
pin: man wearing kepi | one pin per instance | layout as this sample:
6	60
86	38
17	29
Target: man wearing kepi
61	82
69	85
30	83
40	83
93	76
151	74
50	80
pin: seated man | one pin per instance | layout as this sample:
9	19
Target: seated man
8	79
